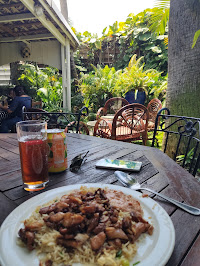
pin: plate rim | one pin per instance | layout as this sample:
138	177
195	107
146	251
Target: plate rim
48	195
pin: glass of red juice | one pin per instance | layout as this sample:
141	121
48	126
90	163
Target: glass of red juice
33	147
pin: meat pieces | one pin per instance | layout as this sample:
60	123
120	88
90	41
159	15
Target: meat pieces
113	233
61	207
150	230
33	226
55	218
27	234
27	237
48	209
71	241
126	222
97	241
123	202
71	219
100	228
89	196
63	230
71	199
93	222
94	217
55	207
88	208
68	243
66	236
139	228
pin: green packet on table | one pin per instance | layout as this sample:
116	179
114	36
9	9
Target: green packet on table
119	164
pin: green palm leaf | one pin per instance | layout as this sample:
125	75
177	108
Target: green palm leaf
196	36
160	16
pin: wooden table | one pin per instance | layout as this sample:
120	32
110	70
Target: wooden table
159	172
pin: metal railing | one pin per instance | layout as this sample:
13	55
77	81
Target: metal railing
56	119
187	130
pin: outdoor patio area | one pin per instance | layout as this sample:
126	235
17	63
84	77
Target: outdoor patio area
99	133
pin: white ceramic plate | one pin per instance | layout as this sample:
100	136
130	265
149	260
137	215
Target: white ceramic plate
152	250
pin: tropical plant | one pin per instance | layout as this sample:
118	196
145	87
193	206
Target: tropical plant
127	38
32	76
104	83
47	82
135	77
98	86
160	91
137	38
160	17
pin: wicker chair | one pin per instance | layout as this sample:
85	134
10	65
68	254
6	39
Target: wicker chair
153	107
111	107
129	124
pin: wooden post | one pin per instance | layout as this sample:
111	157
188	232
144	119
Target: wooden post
64	85
66	69
68	74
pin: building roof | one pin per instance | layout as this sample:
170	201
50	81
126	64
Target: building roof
33	20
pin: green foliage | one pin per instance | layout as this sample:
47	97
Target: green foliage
159	91
32	75
97	86
105	83
188	160
189	156
76	98
130	37
47	83
137	38
160	17
135	77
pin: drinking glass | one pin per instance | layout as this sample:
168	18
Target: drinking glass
33	147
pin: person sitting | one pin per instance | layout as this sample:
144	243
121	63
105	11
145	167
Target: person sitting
10	97
15	109
4	114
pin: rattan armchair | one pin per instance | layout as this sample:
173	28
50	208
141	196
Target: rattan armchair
153	107
111	107
129	123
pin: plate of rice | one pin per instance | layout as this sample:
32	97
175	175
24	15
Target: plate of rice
87	224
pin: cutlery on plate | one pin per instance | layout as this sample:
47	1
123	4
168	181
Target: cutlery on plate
132	183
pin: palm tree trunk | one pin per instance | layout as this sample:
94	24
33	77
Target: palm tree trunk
183	93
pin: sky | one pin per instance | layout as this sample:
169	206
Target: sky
95	15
